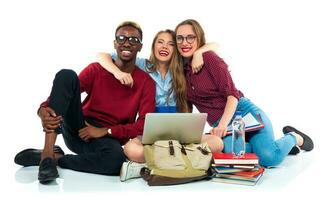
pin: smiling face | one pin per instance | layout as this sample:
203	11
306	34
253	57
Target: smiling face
126	44
164	47
186	40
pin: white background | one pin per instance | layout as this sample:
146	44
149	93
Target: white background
275	51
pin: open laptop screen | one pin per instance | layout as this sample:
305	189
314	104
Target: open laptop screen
184	127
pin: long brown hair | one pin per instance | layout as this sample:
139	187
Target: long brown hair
176	70
197	28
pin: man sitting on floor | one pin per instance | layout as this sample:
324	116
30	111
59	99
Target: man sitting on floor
97	128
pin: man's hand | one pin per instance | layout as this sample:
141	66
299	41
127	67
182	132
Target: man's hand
90	132
220	131
124	78
50	121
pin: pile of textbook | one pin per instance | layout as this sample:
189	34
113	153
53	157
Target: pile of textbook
243	171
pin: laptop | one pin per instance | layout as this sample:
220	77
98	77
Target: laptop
184	127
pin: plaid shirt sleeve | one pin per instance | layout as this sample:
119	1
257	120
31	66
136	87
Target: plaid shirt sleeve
220	74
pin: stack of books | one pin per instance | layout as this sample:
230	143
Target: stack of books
230	169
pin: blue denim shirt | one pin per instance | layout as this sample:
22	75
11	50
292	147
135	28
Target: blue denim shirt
162	87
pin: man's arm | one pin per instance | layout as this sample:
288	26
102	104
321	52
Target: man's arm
50	121
197	61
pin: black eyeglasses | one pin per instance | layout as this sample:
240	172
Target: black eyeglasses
189	39
121	39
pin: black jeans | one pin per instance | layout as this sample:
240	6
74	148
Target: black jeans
102	155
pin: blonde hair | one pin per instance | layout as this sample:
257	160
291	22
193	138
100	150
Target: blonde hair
176	70
197	28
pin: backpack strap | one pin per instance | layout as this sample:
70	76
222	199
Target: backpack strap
171	148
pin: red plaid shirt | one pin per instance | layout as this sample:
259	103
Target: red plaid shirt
208	90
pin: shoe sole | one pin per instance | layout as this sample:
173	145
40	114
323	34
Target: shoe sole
35	157
294	151
26	161
304	146
123	178
129	171
47	179
47	171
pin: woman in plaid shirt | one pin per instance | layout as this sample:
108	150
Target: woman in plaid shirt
213	91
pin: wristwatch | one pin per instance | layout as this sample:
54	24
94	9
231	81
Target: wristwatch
109	132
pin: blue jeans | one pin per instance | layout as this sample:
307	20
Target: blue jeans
271	152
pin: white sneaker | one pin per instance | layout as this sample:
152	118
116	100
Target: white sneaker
131	170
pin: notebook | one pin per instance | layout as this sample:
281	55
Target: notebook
184	127
252	123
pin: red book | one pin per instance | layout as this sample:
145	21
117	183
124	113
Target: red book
250	173
228	158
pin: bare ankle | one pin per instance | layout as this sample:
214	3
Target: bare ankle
57	156
47	154
299	139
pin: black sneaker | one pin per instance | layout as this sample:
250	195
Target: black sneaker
307	145
32	157
47	171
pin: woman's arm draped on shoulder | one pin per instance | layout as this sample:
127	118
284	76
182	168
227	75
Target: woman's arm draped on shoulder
105	60
197	61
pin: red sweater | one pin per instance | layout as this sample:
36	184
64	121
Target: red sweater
114	105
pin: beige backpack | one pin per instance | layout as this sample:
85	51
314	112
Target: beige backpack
170	162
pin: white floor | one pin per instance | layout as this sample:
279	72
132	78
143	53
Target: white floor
295	177
275	50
